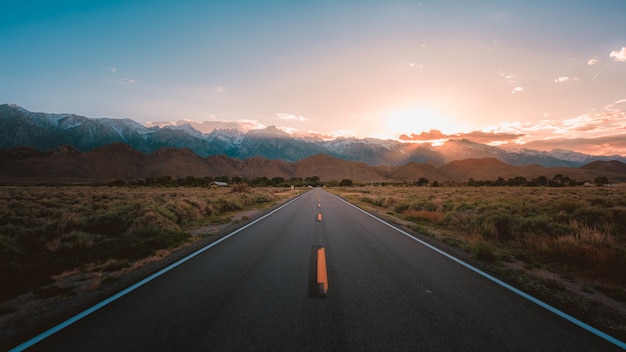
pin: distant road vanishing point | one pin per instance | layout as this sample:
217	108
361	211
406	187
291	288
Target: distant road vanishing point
318	274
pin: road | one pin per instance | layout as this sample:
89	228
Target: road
386	292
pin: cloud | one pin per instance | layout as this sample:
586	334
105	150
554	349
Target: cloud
126	81
563	79
620	55
475	136
291	117
517	89
614	144
511	79
219	89
594	60
431	135
112	69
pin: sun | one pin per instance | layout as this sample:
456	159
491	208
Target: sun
418	119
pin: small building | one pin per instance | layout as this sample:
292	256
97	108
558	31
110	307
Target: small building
218	184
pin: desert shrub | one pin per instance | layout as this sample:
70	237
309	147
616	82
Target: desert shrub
483	251
567	205
79	240
240	188
574	255
184	212
109	222
541	225
262	199
143	242
592	216
503	226
401	208
423	215
389	202
377	202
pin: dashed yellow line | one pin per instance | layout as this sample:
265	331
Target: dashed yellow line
322	276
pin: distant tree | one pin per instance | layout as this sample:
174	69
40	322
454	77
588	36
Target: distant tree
435	184
500	182
422	181
164	180
516	181
296	181
313	180
116	183
278	181
332	183
542	181
345	182
261	182
601	181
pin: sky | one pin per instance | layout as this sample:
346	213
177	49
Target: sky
526	74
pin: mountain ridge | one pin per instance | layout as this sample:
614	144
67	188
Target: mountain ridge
43	131
119	161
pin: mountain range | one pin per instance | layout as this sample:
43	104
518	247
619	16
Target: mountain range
43	131
118	161
67	148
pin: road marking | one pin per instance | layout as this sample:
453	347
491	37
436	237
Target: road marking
322	277
523	294
129	289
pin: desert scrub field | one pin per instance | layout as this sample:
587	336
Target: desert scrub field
579	231
45	231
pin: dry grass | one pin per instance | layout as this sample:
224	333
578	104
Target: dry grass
46	231
577	231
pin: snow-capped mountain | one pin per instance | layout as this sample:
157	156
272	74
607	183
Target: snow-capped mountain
22	128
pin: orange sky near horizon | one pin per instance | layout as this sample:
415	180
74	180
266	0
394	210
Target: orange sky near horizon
534	74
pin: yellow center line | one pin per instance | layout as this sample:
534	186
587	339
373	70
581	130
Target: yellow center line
322	277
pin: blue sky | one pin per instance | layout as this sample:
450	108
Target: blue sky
539	74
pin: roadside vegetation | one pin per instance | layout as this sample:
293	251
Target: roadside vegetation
560	234
46	231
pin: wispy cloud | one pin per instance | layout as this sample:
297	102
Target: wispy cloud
291	117
126	81
112	69
476	136
563	79
620	55
594	60
513	81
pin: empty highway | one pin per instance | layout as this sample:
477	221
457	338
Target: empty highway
262	289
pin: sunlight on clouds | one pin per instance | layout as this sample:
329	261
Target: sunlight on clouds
417	119
620	55
594	60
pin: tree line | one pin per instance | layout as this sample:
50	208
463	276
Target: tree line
314	181
557	181
205	181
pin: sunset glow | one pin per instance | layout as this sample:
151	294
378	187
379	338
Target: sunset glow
529	74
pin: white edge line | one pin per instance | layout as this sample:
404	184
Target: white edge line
135	286
525	295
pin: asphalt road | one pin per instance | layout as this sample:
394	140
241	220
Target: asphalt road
386	292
